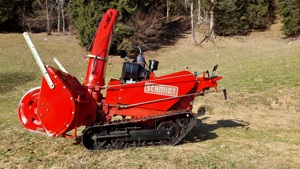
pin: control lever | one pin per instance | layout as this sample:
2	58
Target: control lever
214	70
207	72
225	94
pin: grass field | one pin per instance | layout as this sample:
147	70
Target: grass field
257	127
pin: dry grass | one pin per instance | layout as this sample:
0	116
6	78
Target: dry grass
257	127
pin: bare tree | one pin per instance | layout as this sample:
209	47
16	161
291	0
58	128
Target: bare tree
60	15
148	27
59	6
211	13
24	17
50	7
185	4
211	35
63	15
192	23
200	18
48	28
168	10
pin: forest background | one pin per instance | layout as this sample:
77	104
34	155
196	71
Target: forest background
149	23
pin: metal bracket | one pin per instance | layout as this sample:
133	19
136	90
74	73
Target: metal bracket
95	57
38	60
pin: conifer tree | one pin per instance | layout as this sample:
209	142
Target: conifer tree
290	10
239	17
86	15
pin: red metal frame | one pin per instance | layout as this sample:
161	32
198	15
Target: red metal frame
68	105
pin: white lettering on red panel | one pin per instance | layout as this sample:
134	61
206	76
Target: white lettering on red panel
160	89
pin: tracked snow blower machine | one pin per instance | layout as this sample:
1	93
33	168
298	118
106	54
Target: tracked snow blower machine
152	110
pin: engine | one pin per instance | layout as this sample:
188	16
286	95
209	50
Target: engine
137	70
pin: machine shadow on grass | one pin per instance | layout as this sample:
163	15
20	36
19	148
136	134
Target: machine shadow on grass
10	80
202	131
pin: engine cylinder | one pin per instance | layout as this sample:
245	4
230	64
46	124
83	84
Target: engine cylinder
130	71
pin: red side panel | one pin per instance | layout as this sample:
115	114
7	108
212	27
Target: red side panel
159	94
57	108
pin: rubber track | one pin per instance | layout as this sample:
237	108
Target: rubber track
182	132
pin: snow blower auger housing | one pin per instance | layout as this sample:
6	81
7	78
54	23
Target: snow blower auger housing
152	110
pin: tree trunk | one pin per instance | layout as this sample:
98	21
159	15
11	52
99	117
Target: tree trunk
211	25
58	15
200	19
192	24
211	13
63	16
48	19
205	16
168	10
